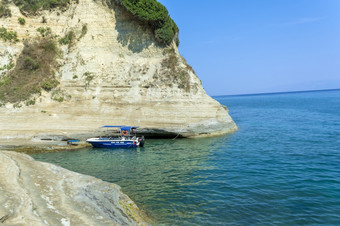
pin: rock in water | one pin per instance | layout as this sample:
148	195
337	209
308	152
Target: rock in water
38	193
110	70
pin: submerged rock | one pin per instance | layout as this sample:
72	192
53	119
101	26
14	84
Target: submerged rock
38	193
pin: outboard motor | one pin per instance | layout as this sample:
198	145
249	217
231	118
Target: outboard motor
141	141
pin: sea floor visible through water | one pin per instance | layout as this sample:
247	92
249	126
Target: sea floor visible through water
281	167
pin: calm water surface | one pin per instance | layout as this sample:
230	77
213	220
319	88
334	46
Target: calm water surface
281	167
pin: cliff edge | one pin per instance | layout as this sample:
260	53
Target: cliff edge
71	70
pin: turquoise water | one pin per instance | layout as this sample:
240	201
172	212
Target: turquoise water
281	167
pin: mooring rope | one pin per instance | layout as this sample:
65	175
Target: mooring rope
175	137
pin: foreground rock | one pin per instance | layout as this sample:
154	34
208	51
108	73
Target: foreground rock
37	193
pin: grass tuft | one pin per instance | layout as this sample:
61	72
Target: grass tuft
21	21
68	39
88	77
5	35
4	10
44	31
32	7
173	73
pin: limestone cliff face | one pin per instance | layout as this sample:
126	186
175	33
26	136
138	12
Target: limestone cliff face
37	193
113	73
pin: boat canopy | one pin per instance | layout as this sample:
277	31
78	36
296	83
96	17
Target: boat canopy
128	128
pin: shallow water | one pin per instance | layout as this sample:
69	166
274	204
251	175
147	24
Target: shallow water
281	167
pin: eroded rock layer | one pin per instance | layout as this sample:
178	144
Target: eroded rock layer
113	71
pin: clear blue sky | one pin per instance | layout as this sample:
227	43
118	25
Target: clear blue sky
248	46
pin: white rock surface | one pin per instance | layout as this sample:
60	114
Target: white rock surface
131	85
37	193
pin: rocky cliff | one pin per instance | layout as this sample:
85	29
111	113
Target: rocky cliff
109	70
37	193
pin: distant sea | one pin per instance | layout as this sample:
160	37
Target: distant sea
281	167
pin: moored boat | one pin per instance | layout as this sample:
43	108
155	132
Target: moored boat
126	139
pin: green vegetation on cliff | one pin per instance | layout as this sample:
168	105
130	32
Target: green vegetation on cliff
4	10
33	71
173	74
68	39
21	21
157	16
31	7
147	11
8	35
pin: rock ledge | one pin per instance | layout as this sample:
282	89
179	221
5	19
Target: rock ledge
38	193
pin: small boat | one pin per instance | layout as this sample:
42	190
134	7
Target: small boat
73	142
126	139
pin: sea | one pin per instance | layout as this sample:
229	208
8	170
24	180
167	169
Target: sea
282	167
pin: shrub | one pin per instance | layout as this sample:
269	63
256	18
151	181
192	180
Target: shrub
148	10
17	105
60	95
21	21
30	64
50	46
32	72
165	33
44	31
8	66
49	84
68	38
58	98
5	80
36	90
4	11
31	7
156	15
8	35
171	61
174	74
88	78
30	102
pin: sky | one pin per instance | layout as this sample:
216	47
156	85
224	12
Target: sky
248	46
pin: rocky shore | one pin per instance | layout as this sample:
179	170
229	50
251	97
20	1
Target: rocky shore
37	193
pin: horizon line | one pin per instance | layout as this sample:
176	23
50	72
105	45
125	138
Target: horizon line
283	92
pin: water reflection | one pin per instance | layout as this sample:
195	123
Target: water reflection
163	178
280	167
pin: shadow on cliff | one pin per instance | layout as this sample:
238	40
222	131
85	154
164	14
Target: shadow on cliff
137	36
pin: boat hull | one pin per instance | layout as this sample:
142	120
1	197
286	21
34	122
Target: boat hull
102	143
